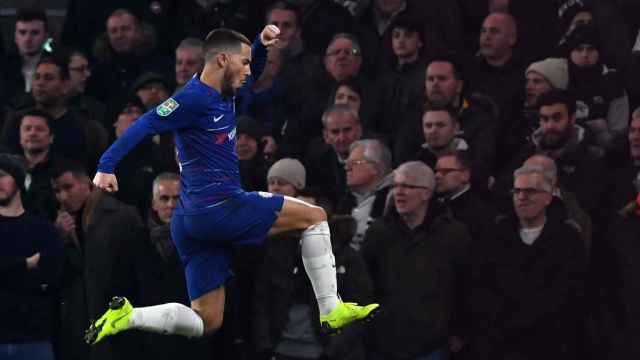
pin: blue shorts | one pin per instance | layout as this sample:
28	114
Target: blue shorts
204	240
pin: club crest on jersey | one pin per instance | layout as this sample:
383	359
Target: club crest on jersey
167	107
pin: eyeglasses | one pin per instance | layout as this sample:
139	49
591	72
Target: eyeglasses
356	162
348	52
446	171
527	192
408	186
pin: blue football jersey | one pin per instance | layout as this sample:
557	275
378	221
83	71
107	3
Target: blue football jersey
203	123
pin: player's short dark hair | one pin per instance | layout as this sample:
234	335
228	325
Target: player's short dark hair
32	14
463	158
60	61
284	5
221	40
441	106
63	166
558	97
48	119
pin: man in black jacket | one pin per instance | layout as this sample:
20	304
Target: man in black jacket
30	269
529	280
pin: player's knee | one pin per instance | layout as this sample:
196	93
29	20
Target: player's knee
316	215
212	323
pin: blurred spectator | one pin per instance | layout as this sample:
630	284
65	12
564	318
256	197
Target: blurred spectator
36	139
284	309
101	236
368	169
160	275
325	162
454	188
152	88
400	90
137	169
320	21
541	77
123	53
571	14
30	273
79	74
343	59
189	60
529	280
251	159
415	257
76	137
560	138
497	70
564	205
622	183
30	33
602	103
444	86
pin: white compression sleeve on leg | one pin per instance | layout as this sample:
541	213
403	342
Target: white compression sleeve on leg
320	265
171	318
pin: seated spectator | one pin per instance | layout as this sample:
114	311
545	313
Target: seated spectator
160	275
602	103
622	187
79	75
32	259
189	60
453	174
529	280
325	161
368	170
251	159
123	54
400	89
101	236
572	14
36	139
76	137
444	84
137	169
152	88
415	256
349	92
284	306
30	32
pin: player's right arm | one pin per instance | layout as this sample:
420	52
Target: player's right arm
174	114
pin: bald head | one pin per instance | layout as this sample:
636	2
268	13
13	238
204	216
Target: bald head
498	37
547	164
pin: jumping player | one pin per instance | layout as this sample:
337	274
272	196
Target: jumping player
214	212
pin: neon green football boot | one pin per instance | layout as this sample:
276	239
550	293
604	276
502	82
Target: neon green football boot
115	320
345	314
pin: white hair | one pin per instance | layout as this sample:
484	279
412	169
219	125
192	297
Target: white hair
547	181
419	171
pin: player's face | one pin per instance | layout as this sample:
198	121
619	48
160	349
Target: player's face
8	188
165	199
35	135
48	85
442	84
188	62
29	37
237	70
71	192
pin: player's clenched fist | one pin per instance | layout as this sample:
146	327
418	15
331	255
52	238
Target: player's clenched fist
106	182
269	35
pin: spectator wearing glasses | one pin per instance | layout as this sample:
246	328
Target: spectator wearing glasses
79	76
529	279
415	256
368	170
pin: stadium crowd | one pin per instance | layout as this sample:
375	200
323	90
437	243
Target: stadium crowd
480	160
